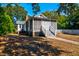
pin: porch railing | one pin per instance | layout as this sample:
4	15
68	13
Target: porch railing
44	30
52	30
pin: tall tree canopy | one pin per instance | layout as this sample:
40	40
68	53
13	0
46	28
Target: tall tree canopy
51	14
71	11
7	14
35	8
68	8
17	11
6	23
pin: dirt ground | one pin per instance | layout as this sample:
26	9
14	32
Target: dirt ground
36	46
69	36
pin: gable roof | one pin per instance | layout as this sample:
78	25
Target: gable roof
42	17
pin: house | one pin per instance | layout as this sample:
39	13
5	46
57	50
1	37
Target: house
37	26
21	26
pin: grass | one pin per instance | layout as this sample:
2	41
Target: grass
36	46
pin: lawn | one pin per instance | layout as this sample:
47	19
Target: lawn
36	46
69	36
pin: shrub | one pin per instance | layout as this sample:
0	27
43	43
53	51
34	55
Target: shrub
6	24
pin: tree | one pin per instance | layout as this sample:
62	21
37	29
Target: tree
74	20
62	22
71	11
51	14
6	24
67	8
15	10
35	8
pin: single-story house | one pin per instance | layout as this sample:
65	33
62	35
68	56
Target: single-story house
38	25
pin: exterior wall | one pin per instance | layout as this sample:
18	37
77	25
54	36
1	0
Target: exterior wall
21	26
37	26
24	27
30	26
68	31
54	27
18	28
27	25
46	24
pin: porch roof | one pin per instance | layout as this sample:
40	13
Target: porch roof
20	22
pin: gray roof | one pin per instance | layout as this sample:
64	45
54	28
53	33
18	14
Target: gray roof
20	22
41	17
44	18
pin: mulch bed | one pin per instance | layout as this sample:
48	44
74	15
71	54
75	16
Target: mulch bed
37	46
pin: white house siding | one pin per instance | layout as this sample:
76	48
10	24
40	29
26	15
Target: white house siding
46	24
30	26
18	28
54	27
21	26
68	31
37	25
24	27
49	28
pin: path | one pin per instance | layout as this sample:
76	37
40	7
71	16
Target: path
65	40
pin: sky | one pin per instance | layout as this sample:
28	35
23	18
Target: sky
43	7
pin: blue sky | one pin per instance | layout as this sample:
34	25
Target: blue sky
43	7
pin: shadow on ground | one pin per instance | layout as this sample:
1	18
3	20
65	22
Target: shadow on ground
29	46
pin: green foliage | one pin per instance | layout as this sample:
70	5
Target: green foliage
1	11
7	13
15	10
71	11
68	22
6	24
75	20
62	22
51	14
67	8
35	8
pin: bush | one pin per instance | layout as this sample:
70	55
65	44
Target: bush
6	24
